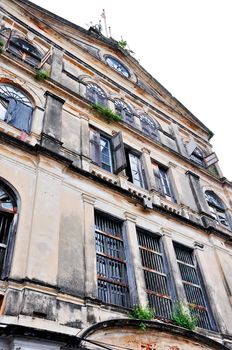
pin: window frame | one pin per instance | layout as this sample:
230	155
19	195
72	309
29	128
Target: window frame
162	264
18	102
95	145
109	57
161	176
125	111
109	244
216	208
199	284
152	130
142	182
97	95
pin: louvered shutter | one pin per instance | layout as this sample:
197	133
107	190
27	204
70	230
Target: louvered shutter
95	152
118	151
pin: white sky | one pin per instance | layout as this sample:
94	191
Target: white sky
184	44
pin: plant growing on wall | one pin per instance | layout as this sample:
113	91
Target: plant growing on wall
142	313
41	74
182	317
107	113
1	45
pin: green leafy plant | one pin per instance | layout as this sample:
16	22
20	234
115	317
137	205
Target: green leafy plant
41	74
143	313
122	43
107	113
1	45
182	317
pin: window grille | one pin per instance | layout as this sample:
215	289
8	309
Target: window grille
192	285
7	211
149	127
111	264
155	274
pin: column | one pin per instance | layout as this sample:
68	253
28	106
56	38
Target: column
89	247
85	155
173	265
134	267
52	123
57	65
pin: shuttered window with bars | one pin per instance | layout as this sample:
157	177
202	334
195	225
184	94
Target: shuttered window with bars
193	287
111	264
155	274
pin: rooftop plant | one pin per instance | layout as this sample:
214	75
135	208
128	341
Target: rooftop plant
142	313
107	113
182	317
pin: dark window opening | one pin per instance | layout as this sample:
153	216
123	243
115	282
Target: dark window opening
193	286
15	107
155	274
198	156
112	279
114	63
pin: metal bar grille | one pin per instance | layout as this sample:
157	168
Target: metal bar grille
5	222
154	274
192	286
111	266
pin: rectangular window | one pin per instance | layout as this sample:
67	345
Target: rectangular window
155	274
194	291
162	182
135	170
107	152
100	150
111	264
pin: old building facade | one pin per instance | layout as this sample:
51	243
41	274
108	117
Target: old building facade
110	196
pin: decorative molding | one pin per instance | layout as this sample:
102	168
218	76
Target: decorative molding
130	216
88	199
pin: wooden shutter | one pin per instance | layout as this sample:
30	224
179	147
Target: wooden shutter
158	186
211	159
118	151
95	152
190	147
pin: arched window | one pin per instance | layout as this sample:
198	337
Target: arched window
24	49
8	210
124	110
217	208
149	127
15	107
95	94
198	156
117	65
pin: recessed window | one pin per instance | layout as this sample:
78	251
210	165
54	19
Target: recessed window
24	49
198	156
15	107
193	287
149	126
135	169
155	274
217	208
112	282
124	110
162	181
95	94
8	210
117	65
